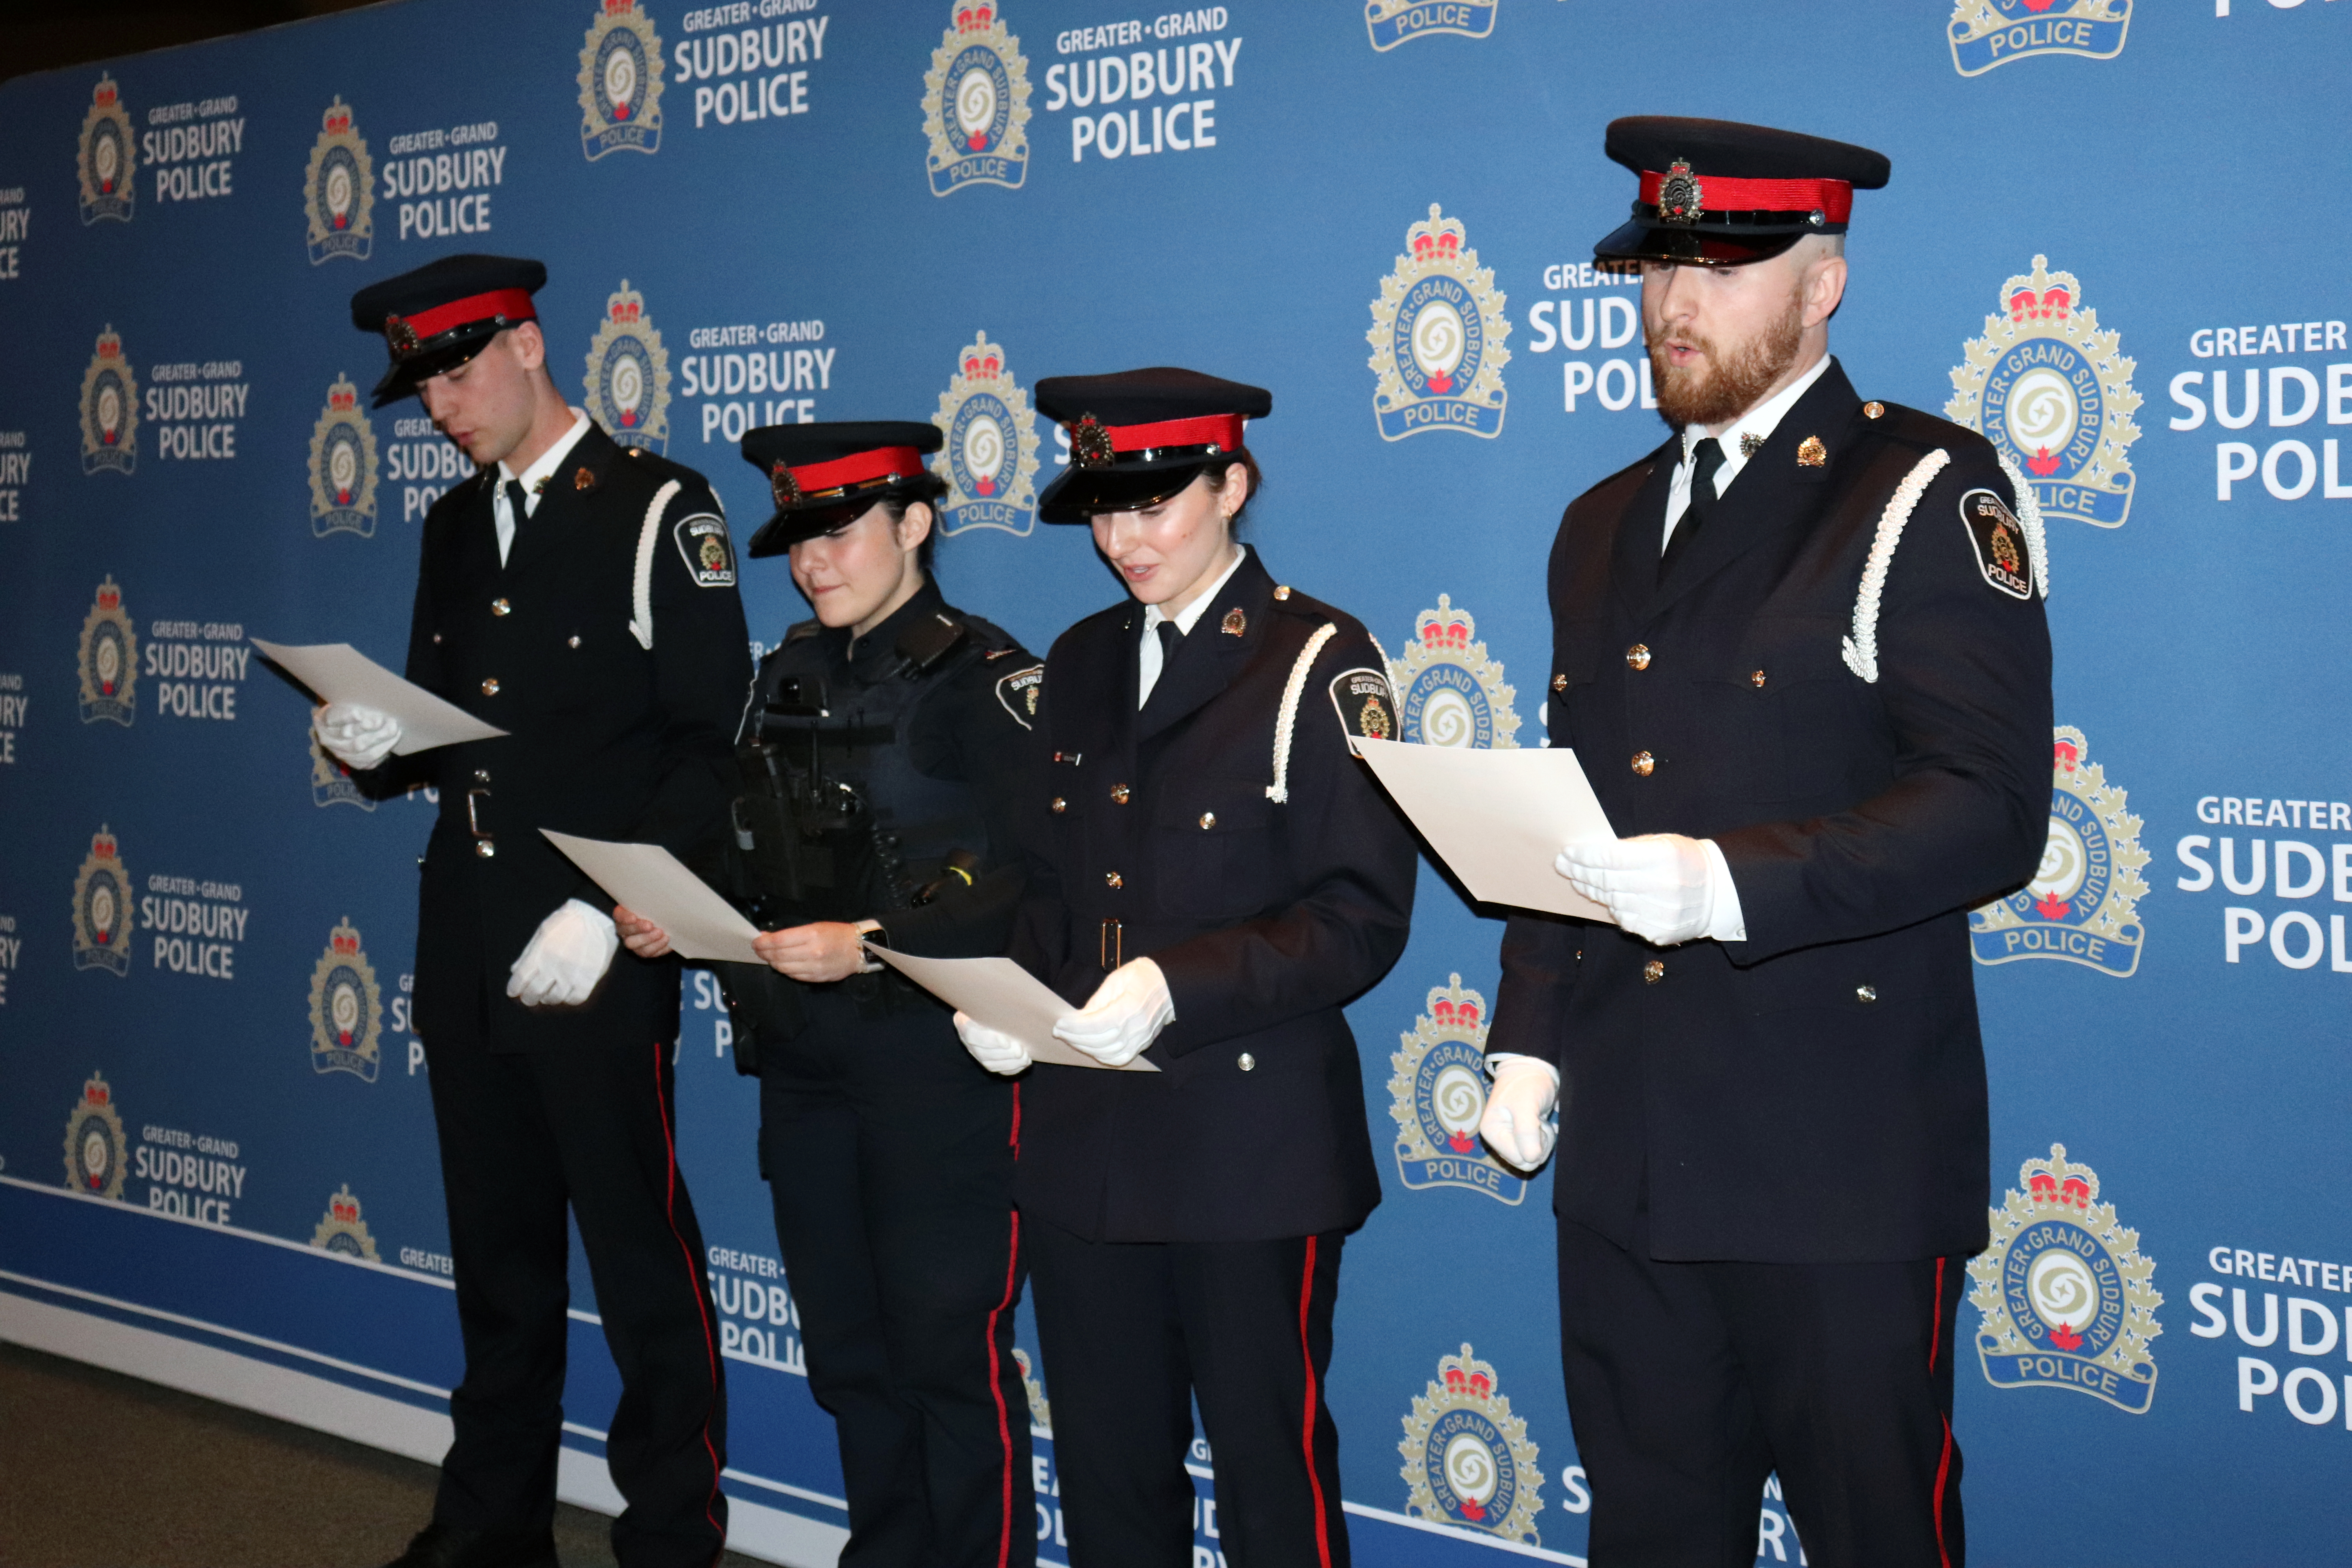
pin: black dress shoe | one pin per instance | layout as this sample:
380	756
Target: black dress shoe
438	1545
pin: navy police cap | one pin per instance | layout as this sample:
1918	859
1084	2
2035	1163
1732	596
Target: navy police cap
445	312
825	475
1141	435
1717	194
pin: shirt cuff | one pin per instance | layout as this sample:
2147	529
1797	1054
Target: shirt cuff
1729	923
1497	1061
867	962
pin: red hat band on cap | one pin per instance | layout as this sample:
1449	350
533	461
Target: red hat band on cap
1682	196
793	485
1220	431
407	332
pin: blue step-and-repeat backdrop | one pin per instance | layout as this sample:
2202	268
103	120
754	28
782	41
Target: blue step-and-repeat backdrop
2114	243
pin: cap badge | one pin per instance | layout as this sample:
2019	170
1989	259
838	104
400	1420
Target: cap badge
1812	453
1235	623
786	488
1680	195
1090	443
400	335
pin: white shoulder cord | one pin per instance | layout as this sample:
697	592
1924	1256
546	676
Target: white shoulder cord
1279	790
642	624
2029	517
1861	648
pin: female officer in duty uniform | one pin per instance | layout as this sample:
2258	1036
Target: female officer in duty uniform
1215	875
881	752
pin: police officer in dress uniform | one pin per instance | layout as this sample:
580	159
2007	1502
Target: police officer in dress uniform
1801	650
1218	875
580	597
882	752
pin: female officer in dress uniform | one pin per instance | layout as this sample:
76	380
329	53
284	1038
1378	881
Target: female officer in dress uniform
1214	876
881	752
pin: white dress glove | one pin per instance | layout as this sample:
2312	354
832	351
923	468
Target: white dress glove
994	1049
1662	887
1126	1013
357	737
564	958
1517	1121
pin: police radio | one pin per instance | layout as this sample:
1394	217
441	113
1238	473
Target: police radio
807	839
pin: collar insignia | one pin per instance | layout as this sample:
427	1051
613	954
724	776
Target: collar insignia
1812	453
1235	623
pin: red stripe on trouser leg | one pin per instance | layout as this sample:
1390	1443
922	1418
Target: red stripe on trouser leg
1943	1473
1307	1353
1935	1322
701	1307
1016	1139
996	1377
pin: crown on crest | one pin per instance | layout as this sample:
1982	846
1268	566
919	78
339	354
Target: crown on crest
626	307
342	397
1452	1007
109	343
2042	295
619	8
101	844
338	118
983	361
2057	1182
1445	626
103	95
2068	750
1439	240
110	597
96	1091
344	1206
1466	1374
344	940
975	18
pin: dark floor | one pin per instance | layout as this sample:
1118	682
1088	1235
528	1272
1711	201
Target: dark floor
99	1471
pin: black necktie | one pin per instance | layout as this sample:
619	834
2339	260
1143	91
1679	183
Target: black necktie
517	503
1705	458
1170	634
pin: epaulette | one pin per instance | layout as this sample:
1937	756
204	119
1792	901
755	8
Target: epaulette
800	629
1917	427
691	481
995	641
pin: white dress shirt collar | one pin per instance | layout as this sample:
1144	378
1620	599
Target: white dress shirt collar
1150	655
1758	421
545	464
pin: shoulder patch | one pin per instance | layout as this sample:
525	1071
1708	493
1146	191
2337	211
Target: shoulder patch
1365	703
708	553
1999	540
1018	692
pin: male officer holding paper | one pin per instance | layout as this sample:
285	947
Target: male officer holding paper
1801	651
582	597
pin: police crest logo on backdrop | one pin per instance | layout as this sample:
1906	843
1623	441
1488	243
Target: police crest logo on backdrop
1437	338
628	374
1041	1413
1394	22
1989	33
109	409
1467	1460
1438	1094
2063	1292
342	1230
108	660
97	1153
332	783
108	171
102	907
2081	903
989	457
976	103
346	1009
1449	693
2054	396
338	190
620	83
342	465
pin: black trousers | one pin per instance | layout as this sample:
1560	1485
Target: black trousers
523	1138
889	1153
1689	1384
1133	1333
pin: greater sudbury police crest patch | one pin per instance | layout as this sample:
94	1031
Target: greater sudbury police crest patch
628	373
2064	1292
1438	1092
342	466
342	1230
338	190
109	409
96	1153
2081	905
2054	396
346	1009
1437	338
102	907
1989	33
976	103
1448	691
110	186
1394	22
620	83
708	553
989	457
1467	1460
108	660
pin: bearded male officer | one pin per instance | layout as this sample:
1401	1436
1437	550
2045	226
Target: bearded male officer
1801	650
582	598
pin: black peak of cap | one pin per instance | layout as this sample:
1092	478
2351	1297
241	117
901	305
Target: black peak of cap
1148	397
1737	151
